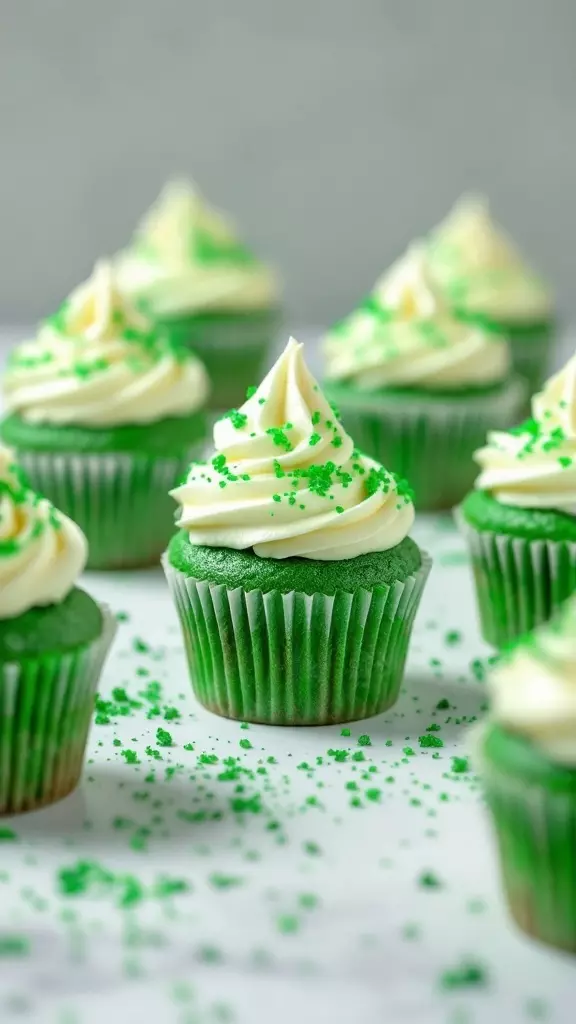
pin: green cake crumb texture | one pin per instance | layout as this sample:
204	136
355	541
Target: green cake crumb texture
245	569
485	513
74	623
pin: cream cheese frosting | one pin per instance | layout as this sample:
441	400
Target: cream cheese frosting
42	552
481	270
100	363
534	465
406	336
186	258
285	479
534	687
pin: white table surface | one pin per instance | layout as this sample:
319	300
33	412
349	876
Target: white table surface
302	906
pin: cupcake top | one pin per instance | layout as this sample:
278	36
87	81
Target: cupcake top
186	258
534	687
404	335
99	363
534	465
42	552
285	478
480	269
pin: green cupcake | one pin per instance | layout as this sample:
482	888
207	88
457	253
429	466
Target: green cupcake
190	273
104	414
520	522
53	642
294	579
417	388
487	282
527	760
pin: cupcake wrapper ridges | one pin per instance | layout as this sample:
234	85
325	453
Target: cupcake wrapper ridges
519	582
296	659
46	707
120	501
431	445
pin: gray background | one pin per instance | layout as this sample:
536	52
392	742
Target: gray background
334	131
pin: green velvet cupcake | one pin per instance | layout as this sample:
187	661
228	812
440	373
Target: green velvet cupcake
104	414
487	283
294	579
189	272
520	523
54	639
417	388
527	759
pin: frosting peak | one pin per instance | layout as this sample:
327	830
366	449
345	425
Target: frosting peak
99	363
480	268
286	480
406	336
534	465
534	687
42	552
186	257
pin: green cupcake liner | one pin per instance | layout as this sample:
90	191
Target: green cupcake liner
430	442
531	354
535	823
519	582
234	350
292	658
46	707
120	500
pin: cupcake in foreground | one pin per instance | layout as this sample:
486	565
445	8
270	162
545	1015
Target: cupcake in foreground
487	281
417	388
520	521
53	642
190	272
295	581
527	758
104	414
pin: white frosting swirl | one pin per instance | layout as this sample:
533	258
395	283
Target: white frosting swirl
534	687
42	552
534	466
186	258
285	479
99	363
481	270
406	337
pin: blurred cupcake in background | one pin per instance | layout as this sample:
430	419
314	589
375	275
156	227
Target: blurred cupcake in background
520	520
486	281
105	413
54	639
527	760
188	270
416	387
293	574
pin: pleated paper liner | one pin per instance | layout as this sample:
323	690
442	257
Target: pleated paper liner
46	707
431	444
531	354
296	659
120	501
535	827
519	582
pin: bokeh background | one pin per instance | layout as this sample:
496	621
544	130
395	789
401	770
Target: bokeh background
334	131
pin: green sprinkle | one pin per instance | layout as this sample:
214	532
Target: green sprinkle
251	391
364	741
314	439
130	756
460	765
443	704
163	738
467	974
428	880
345	732
245	744
430	741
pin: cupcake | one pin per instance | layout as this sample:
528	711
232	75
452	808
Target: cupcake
487	282
190	272
520	520
295	581
527	758
417	388
54	639
105	413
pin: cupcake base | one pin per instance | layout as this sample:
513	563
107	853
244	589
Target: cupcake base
234	348
296	658
428	438
531	346
46	708
533	804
